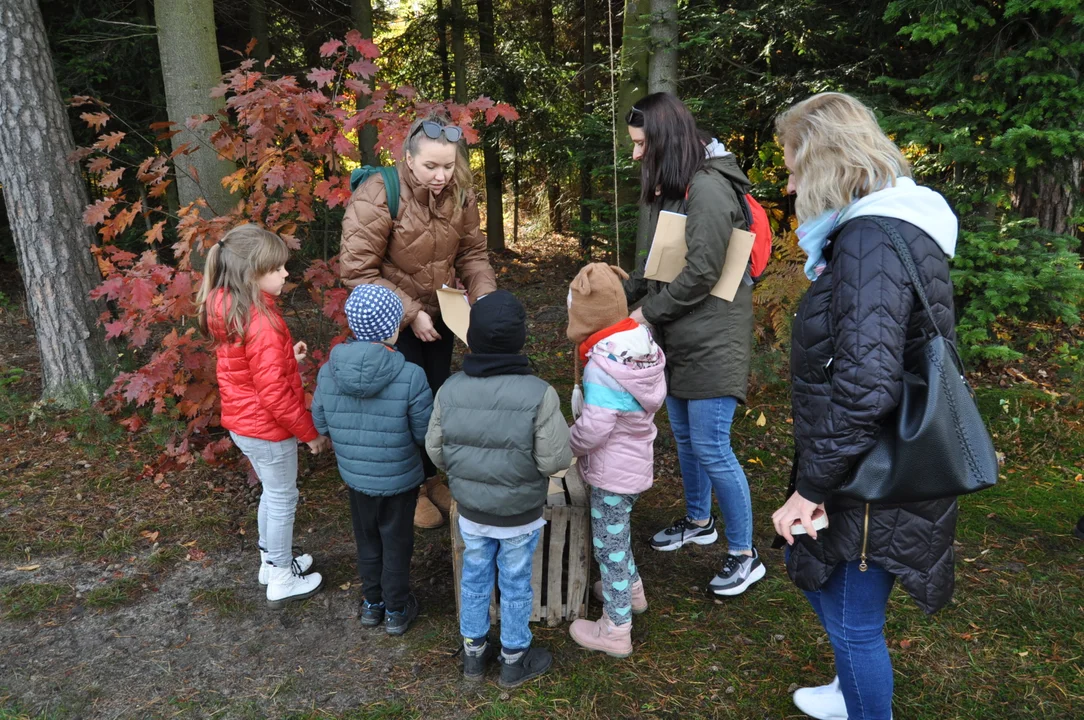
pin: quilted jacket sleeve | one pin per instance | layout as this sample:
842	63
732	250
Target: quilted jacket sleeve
472	259
872	301
708	226
318	417
434	438
420	408
551	449
271	362
367	224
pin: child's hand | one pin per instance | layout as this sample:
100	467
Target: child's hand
300	349
319	444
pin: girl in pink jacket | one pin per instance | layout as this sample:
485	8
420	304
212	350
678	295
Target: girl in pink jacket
624	384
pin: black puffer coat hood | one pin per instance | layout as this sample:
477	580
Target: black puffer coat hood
856	329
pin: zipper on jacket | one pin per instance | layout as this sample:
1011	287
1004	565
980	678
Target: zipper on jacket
862	566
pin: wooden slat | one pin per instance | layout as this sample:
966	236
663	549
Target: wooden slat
578	557
554	596
577	492
536	570
458	547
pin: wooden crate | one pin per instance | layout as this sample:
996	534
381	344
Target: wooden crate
560	572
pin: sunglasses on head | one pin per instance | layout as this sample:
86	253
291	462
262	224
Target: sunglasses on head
433	131
632	114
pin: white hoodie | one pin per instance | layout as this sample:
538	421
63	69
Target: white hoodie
922	207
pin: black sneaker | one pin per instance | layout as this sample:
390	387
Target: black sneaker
474	666
397	623
530	665
685	531
372	614
1079	529
738	573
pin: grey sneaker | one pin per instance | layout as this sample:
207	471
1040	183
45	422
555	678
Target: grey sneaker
685	531
738	573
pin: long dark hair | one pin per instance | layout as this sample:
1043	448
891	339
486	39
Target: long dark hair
673	146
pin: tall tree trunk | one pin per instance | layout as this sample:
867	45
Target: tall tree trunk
45	198
257	27
663	62
491	148
545	21
190	69
635	51
1049	193
459	51
549	46
589	79
442	52
362	15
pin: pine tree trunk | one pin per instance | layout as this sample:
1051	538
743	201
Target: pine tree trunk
663	62
257	27
459	51
549	46
589	74
1049	194
491	148
635	51
190	69
442	52
45	198
362	14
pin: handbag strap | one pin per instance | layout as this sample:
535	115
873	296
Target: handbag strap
909	264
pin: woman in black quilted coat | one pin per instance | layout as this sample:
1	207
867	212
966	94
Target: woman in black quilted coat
858	326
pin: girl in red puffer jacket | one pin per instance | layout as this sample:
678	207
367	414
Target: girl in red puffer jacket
263	403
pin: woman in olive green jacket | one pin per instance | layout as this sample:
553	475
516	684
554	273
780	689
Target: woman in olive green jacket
707	340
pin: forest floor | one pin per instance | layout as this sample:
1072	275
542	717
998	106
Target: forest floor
128	589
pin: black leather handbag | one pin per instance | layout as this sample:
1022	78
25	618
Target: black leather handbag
936	444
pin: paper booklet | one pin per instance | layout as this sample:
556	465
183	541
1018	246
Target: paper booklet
455	309
666	259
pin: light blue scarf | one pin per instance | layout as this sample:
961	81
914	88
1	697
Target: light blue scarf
812	237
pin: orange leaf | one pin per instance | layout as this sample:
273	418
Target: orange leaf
111	178
159	189
155	233
100	164
97	213
109	141
95	120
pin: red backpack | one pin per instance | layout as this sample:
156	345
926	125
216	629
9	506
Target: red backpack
756	221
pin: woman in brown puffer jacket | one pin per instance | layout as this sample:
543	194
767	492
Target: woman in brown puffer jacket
434	240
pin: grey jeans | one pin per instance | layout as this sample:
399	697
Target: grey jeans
275	464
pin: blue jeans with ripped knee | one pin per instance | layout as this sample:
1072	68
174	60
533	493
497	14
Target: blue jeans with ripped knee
482	558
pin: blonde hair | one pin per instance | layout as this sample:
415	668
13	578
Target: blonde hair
234	266
462	178
838	152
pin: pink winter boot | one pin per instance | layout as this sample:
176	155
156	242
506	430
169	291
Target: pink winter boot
639	599
603	635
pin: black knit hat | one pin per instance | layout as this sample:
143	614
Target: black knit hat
498	324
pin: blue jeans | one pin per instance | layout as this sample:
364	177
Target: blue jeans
483	556
275	464
851	607
702	431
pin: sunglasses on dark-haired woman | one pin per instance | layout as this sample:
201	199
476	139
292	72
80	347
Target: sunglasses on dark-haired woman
433	131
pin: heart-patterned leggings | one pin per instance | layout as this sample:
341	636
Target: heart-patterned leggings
611	515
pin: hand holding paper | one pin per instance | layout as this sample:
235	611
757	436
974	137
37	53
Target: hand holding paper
455	309
666	259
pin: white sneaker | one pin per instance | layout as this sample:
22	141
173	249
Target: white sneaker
302	564
823	703
285	585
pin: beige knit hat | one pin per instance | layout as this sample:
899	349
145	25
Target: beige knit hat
596	300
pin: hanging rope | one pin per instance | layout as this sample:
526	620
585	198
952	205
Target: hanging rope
613	127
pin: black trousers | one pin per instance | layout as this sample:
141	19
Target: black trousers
435	358
384	535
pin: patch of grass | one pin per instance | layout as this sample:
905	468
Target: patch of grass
117	593
224	601
28	600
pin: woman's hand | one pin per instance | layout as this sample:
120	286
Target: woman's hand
300	349
423	328
638	316
319	444
795	509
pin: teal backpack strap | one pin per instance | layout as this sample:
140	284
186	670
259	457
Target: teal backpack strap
391	183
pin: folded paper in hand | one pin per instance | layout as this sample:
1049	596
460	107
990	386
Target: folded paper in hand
666	259
455	309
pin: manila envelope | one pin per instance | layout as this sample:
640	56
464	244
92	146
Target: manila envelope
666	259
455	309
